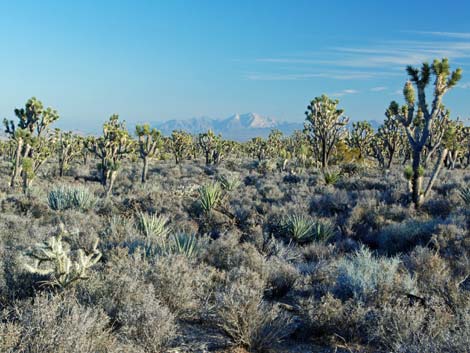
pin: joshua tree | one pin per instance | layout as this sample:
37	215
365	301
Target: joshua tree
150	144
325	124
111	148
68	147
418	118
388	140
211	146
180	143
30	136
361	137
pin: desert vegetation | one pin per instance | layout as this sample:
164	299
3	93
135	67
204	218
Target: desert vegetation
334	239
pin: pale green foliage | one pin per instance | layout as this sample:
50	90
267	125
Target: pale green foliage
304	229
229	182
363	275
210	195
53	258
152	226
331	177
71	197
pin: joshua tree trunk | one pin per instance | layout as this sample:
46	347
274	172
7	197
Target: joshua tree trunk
145	169
416	179
110	182
16	167
437	168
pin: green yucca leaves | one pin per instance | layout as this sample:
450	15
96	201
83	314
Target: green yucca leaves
210	195
465	195
304	229
152	225
68	197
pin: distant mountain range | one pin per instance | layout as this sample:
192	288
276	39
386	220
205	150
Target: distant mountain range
240	127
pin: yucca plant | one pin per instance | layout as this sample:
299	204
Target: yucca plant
67	197
229	182
331	178
304	229
180	244
465	195
154	225
210	195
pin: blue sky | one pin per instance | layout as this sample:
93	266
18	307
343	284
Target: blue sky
160	60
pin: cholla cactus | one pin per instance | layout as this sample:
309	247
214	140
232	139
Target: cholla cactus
53	258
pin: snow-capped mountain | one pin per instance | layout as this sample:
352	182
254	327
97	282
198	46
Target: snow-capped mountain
239	127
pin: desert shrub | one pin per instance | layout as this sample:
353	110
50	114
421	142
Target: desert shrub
152	226
401	327
181	285
438	207
332	203
66	197
330	317
281	277
363	276
245	317
401	237
146	323
58	324
226	253
304	229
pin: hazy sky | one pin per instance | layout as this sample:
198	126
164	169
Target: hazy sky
160	60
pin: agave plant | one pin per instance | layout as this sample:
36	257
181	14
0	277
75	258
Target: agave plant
154	226
229	182
304	229
465	194
210	195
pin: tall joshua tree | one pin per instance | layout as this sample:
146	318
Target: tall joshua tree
325	124
111	148
30	137
150	143
418	118
361	137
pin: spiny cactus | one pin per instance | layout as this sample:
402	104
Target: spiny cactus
53	258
